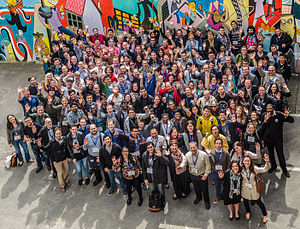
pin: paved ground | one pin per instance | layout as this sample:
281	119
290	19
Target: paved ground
29	200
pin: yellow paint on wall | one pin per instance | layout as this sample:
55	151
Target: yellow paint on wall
232	13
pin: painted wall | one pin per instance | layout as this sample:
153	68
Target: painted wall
26	25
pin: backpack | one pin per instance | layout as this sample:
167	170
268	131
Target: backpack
155	202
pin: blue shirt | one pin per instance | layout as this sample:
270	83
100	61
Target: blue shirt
115	138
33	103
94	144
150	86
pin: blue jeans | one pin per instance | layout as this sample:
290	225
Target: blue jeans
218	184
37	154
82	165
112	174
16	145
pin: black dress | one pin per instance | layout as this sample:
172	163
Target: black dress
226	189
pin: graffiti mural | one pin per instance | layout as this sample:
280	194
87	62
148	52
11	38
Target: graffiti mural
26	26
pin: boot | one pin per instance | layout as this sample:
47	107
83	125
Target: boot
98	177
129	200
140	201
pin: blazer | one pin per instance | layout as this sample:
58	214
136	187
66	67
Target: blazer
159	168
106	157
10	133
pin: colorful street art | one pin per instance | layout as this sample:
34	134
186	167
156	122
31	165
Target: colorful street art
27	25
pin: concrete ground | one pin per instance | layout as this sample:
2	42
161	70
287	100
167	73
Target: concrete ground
30	200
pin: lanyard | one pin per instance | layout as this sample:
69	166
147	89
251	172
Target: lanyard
40	121
260	101
150	160
238	158
95	142
74	139
187	102
133	123
280	67
191	137
226	128
154	141
51	136
219	158
272	80
85	131
195	162
172	113
248	177
34	89
129	165
166	127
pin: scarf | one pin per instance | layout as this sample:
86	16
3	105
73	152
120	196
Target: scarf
59	141
177	157
235	184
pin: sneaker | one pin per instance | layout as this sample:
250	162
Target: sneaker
87	181
54	175
216	200
125	194
110	192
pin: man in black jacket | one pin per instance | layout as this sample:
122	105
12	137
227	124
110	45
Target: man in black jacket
282	40
31	131
271	132
110	156
47	134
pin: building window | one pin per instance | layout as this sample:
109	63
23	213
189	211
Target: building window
74	20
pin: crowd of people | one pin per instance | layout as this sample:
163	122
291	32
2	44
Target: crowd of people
134	106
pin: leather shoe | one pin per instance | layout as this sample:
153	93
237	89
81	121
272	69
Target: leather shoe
54	175
80	182
87	181
230	219
38	169
287	174
96	182
129	201
207	206
49	168
140	202
196	201
272	169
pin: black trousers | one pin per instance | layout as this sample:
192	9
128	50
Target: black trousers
258	202
201	187
135	182
279	150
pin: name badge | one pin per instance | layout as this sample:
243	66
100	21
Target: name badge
17	137
136	153
150	170
251	139
218	167
194	170
95	150
248	185
76	151
132	173
235	42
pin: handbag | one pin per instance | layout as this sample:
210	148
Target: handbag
260	184
155	202
14	160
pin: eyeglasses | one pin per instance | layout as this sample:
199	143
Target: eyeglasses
149	147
